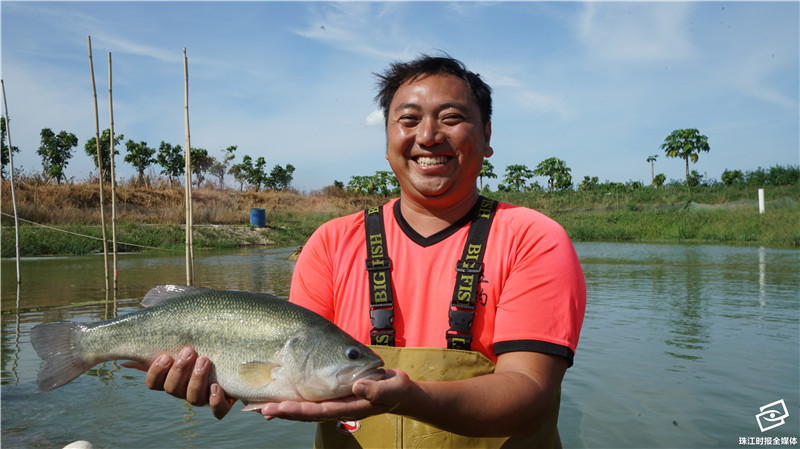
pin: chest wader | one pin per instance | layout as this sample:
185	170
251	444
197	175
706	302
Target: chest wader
428	364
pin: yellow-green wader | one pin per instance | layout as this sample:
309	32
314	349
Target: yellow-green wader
394	431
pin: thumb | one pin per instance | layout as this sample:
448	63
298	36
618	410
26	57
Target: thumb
365	389
387	392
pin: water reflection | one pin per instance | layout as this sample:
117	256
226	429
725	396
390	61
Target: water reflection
762	276
15	348
688	309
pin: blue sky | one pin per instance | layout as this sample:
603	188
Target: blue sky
597	84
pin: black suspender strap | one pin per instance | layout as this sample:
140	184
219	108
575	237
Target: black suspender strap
469	271
381	306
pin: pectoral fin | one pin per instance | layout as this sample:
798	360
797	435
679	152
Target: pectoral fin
257	374
254	407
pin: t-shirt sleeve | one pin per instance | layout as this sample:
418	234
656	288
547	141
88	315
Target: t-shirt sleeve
312	280
543	301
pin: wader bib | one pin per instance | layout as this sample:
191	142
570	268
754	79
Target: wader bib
395	431
428	364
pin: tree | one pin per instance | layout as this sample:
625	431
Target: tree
659	180
239	172
652	159
56	151
685	144
589	183
515	178
695	179
731	177
140	156
105	152
219	168
556	172
487	170
361	185
5	150
201	162
252	173
280	177
171	159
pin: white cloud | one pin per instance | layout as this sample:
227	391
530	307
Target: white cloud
375	118
633	31
102	40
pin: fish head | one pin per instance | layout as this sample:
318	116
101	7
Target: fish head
327	366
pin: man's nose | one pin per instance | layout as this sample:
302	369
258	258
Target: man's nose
429	132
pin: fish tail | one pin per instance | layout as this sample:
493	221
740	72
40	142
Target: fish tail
56	344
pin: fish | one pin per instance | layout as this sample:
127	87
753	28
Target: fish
262	348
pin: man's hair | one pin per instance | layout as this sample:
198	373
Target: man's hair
401	72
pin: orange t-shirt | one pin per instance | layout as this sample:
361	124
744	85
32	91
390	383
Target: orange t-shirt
532	295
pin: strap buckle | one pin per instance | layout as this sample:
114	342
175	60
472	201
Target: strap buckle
382	318
461	320
379	264
469	267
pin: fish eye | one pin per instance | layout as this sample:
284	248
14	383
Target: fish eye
353	353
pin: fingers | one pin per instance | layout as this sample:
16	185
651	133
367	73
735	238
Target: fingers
177	380
187	377
158	372
220	405
197	392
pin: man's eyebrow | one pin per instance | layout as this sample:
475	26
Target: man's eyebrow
416	107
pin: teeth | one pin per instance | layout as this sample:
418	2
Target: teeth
427	161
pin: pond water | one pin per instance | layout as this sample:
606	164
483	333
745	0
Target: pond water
682	346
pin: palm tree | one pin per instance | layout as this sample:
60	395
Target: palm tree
685	144
652	159
487	170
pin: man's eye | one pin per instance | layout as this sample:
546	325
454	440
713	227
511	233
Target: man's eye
452	119
408	120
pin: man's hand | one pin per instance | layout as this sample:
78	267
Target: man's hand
370	397
187	378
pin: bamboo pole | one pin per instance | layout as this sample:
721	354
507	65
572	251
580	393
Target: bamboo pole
13	190
189	242
99	167
113	176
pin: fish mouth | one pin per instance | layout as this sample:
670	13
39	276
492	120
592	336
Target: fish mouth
373	371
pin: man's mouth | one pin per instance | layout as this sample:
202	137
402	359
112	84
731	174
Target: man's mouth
431	161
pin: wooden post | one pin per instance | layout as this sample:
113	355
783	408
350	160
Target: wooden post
99	168
113	176
189	242
13	190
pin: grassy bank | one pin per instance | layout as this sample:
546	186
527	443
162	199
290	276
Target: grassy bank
153	218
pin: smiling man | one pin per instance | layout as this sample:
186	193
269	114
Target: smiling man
475	306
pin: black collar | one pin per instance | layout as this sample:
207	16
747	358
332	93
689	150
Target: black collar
439	236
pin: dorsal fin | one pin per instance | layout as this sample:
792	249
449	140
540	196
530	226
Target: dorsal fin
164	293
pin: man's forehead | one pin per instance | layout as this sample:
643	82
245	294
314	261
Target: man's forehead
458	93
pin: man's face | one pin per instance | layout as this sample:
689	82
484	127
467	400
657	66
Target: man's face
435	138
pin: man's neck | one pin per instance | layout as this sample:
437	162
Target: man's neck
427	217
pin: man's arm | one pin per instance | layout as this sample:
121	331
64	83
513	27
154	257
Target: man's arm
513	400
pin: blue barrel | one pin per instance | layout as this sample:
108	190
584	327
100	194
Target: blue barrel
258	218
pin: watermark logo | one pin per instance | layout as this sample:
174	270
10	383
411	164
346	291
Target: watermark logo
772	415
